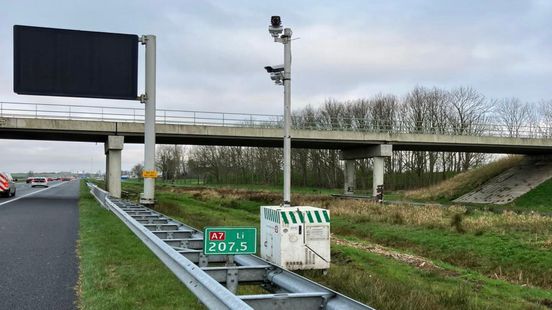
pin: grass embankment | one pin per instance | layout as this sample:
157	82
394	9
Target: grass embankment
117	271
484	260
509	246
539	199
464	182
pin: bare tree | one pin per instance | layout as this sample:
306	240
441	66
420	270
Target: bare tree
469	110
470	115
544	122
513	115
460	111
170	161
137	170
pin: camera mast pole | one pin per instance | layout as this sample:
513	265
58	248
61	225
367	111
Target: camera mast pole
286	40
276	74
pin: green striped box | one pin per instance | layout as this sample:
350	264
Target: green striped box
297	215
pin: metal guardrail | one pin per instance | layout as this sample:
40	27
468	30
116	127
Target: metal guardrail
183	117
179	247
99	194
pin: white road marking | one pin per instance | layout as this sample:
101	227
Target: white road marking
29	194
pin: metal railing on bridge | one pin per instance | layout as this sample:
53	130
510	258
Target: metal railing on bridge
229	119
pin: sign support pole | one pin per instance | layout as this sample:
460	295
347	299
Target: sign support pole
148	196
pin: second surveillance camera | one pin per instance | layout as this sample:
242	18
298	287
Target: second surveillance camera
272	69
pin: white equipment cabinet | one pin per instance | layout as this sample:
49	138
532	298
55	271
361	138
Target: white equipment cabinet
296	237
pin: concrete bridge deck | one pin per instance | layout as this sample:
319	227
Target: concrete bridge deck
98	131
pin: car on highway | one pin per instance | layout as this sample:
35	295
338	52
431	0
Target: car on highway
39	181
7	185
29	179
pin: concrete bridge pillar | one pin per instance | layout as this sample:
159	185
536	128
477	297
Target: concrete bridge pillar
378	173
113	148
378	153
106	178
350	177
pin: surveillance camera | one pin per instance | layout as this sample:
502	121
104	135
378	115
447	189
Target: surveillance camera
275	76
272	69
275	21
275	27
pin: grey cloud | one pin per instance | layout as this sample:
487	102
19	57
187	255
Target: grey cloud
211	53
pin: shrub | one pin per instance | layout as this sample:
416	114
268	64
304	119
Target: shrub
456	223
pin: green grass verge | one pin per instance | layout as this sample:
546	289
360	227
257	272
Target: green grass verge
387	284
379	281
506	255
117	271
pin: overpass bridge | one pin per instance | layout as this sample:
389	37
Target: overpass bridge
356	138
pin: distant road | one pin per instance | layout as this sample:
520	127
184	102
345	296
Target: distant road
38	236
24	189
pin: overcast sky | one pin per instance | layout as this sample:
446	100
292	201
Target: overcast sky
210	55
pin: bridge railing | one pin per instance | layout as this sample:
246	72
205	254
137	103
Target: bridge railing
136	115
187	117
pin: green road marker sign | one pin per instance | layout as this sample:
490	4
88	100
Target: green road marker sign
229	240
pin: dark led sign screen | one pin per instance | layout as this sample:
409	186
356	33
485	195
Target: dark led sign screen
60	62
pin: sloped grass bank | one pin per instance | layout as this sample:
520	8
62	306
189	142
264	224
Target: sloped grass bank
117	271
388	284
464	182
495	255
539	199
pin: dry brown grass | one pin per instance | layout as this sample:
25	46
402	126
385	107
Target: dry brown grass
206	194
464	182
415	261
545	244
359	210
455	217
436	216
509	221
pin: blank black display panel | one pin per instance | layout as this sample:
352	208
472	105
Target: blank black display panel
60	62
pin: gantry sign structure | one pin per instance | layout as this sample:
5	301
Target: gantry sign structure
76	63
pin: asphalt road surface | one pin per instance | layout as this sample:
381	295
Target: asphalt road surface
38	236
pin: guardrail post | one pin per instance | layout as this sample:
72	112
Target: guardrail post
231	275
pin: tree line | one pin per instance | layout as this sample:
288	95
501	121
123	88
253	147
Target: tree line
459	111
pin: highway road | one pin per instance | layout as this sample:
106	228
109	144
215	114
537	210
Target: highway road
38	237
